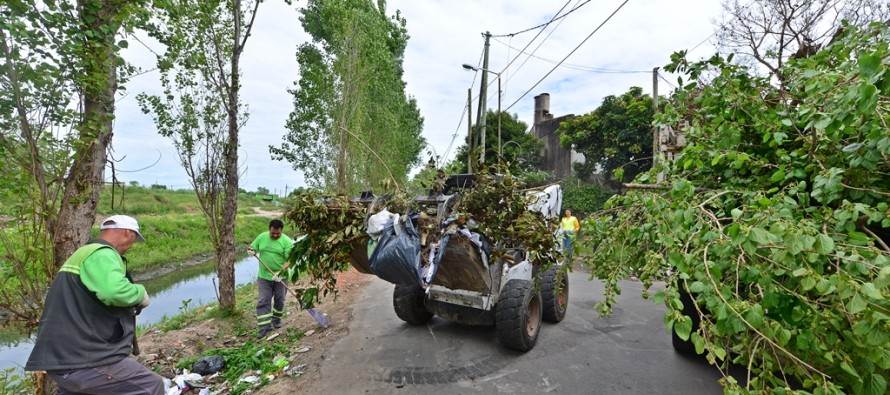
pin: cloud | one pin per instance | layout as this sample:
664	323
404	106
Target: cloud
444	35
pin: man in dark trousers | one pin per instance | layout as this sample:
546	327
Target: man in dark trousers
272	249
88	324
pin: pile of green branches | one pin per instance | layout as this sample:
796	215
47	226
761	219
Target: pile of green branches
496	206
771	219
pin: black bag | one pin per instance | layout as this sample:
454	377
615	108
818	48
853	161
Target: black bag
208	365
396	258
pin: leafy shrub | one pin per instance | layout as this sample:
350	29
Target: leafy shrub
584	199
768	218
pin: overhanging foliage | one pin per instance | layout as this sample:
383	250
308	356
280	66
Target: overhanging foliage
771	219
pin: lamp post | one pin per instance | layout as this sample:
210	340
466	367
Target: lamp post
484	70
519	159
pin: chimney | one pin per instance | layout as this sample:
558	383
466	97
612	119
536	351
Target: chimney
542	108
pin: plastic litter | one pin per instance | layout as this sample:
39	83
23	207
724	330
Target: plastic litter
396	258
320	318
209	364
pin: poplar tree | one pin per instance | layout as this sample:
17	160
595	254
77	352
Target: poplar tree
353	125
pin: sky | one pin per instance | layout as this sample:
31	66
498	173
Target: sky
602	48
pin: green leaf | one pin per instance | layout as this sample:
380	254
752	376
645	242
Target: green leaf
883	279
868	289
849	369
869	65
759	236
872	384
699	342
720	352
783	336
754	316
824	244
683	327
856	304
868	98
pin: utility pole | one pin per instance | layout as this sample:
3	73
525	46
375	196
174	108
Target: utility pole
483	97
470	137
654	109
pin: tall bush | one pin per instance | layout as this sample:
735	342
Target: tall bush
770	218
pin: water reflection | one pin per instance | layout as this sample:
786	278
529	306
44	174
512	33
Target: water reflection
179	291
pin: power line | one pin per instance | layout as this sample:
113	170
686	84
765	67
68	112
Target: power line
454	137
541	43
577	66
567	56
666	81
462	114
546	23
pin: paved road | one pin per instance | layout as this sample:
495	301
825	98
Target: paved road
628	353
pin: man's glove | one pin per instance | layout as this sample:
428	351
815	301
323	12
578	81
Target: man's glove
276	278
145	301
251	251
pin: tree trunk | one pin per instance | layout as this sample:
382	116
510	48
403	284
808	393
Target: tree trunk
72	226
77	211
226	252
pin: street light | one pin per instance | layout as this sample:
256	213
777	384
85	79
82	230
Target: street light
519	159
469	67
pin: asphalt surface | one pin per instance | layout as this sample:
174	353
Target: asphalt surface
627	353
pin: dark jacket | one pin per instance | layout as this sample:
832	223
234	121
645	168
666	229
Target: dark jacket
77	330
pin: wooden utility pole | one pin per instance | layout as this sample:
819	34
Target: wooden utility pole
470	139
483	98
654	110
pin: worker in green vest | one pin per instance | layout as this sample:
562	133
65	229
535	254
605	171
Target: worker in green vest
569	227
88	326
272	249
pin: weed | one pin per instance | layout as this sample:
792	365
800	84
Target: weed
249	357
12	382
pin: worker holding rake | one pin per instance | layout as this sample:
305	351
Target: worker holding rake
272	248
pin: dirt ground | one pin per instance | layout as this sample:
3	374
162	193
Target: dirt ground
162	350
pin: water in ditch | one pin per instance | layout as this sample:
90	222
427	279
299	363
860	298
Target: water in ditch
174	293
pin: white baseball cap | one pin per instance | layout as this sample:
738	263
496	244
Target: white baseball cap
123	222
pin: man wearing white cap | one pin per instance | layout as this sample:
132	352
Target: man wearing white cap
88	325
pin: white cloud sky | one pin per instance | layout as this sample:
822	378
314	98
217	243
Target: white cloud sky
444	35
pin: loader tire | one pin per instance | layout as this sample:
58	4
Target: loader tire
518	315
407	300
555	294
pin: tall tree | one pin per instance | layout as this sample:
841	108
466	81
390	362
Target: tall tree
352	125
201	110
515	142
615	135
770	32
59	76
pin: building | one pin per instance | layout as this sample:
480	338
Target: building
555	159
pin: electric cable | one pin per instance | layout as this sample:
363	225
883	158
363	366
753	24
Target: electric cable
577	66
567	56
546	23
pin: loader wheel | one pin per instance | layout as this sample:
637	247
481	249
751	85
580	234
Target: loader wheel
407	300
518	315
555	294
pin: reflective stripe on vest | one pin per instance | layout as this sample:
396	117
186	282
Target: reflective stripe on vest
72	264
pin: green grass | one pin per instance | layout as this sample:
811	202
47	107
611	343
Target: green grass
175	238
137	201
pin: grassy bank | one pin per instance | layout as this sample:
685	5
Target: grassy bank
172	238
174	227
